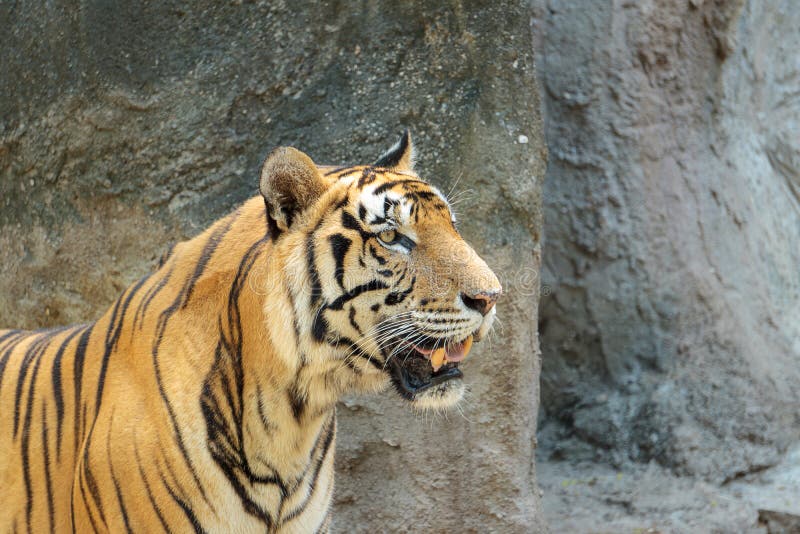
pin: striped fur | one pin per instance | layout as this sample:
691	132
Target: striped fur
204	398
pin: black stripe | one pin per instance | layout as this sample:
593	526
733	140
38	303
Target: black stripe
337	170
367	177
374	253
175	479
48	482
397	297
58	391
80	357
351	316
330	431
23	373
14	339
388	185
392	157
372	285
296	401
120	500
339	204
319	327
147	487
85	498
358	351
33	354
389	205
187	510
150	291
428	195
314	450
205	256
104	361
445	321
141	310
26	427
229	466
339	247
8	335
262	414
89	477
350	222
316	286
295	320
12	344
72	509
403	277
165	256
112	339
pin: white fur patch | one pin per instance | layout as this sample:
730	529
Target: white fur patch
486	325
440	398
374	206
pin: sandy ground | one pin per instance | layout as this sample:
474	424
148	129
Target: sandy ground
639	499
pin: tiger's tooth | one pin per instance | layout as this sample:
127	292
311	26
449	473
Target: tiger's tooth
467	345
437	359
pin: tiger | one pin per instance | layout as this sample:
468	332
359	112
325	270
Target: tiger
204	399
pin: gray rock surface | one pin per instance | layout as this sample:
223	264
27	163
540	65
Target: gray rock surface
590	497
671	329
126	127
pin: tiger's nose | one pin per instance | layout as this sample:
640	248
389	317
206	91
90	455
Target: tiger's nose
482	302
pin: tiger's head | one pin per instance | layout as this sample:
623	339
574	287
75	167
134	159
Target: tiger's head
381	283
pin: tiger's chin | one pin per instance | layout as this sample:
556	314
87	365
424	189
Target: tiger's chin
440	397
429	382
415	380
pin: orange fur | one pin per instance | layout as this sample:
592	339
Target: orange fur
204	398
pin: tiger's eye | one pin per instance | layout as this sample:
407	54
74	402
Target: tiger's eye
388	236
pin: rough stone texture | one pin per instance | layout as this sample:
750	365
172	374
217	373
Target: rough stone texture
592	497
124	127
777	522
672	204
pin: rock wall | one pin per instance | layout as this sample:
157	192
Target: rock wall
126	127
672	205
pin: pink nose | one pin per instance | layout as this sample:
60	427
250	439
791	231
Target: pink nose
481	302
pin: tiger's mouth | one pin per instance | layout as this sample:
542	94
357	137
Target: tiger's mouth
421	367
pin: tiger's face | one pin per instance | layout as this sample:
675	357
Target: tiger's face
392	289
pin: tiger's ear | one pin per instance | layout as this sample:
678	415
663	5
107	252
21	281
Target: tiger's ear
290	183
400	157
